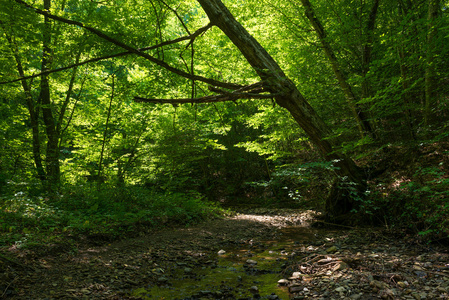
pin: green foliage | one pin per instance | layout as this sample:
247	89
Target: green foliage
429	194
298	185
109	212
419	203
211	149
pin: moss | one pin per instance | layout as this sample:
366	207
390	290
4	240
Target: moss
230	274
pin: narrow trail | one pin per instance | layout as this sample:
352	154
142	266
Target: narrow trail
259	254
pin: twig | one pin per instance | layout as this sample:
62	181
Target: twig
7	287
332	224
16	263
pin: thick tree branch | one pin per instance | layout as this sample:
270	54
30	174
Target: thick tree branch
252	91
132	50
206	99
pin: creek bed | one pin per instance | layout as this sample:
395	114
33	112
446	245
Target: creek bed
244	271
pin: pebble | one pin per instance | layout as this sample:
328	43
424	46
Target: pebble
340	289
283	282
332	249
254	289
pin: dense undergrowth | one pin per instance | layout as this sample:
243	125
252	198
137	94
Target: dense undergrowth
408	189
104	213
412	191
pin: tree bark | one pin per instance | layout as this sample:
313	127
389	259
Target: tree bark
105	132
406	79
52	151
430	77
33	111
366	54
343	197
358	113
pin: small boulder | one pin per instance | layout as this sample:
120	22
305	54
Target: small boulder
332	249
254	290
283	282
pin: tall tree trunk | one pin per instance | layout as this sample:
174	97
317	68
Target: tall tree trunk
33	110
406	77
52	151
358	113
430	78
368	38
105	133
342	199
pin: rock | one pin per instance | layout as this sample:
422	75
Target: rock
206	293
283	282
254	290
295	289
386	294
296	274
416	296
221	252
251	262
340	289
332	249
378	284
340	266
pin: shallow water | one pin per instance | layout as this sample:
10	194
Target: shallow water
230	276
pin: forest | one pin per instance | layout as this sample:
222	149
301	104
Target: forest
120	118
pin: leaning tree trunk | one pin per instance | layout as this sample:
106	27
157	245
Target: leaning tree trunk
351	182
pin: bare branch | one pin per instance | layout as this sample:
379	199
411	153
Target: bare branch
252	91
166	43
206	99
130	49
177	16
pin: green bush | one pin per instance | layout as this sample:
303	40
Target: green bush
420	203
108	211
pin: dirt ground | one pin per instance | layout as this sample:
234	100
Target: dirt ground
98	269
322	264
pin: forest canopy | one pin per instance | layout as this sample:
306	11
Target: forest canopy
139	105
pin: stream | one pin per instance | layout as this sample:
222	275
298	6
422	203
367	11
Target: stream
249	271
261	254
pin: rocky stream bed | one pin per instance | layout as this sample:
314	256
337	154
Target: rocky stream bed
258	254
